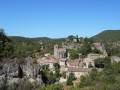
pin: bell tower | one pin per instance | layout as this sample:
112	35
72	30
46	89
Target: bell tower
55	51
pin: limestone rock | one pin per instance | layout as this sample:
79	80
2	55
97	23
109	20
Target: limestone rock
14	72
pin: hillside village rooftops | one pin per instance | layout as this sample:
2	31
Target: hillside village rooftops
92	54
37	53
73	62
73	69
47	60
62	49
62	60
88	60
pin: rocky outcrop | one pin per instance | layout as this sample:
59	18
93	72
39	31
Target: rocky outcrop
100	46
115	59
14	72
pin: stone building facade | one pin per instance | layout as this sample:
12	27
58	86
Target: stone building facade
78	71
60	52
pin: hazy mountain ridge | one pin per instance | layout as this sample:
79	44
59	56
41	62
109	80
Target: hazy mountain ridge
19	39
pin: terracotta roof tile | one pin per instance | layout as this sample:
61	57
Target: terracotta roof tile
73	69
73	62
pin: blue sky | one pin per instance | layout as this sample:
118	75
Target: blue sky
58	18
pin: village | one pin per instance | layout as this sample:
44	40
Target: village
80	66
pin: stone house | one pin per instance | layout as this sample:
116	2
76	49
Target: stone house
88	61
73	63
63	65
76	66
62	62
47	61
93	56
78	71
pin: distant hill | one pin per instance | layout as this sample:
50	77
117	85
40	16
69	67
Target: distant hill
108	35
19	39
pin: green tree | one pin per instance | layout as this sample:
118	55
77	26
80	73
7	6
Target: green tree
71	75
35	60
71	37
45	67
64	74
56	65
73	54
69	81
52	87
57	73
90	65
77	38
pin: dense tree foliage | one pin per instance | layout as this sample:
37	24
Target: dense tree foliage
73	54
48	76
28	46
101	62
111	40
108	78
108	35
90	65
6	46
71	37
70	79
56	65
52	87
64	74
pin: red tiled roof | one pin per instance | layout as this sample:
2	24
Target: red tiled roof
62	60
37	53
73	69
47	60
73	62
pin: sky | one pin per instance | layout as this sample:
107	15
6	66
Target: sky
58	18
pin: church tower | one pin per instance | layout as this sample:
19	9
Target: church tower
56	51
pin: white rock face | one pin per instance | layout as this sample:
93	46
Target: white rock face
14	72
63	80
115	58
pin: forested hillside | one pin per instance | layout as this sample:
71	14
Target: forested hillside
20	40
111	40
112	35
28	46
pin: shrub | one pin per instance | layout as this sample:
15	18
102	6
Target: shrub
52	87
64	74
69	81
